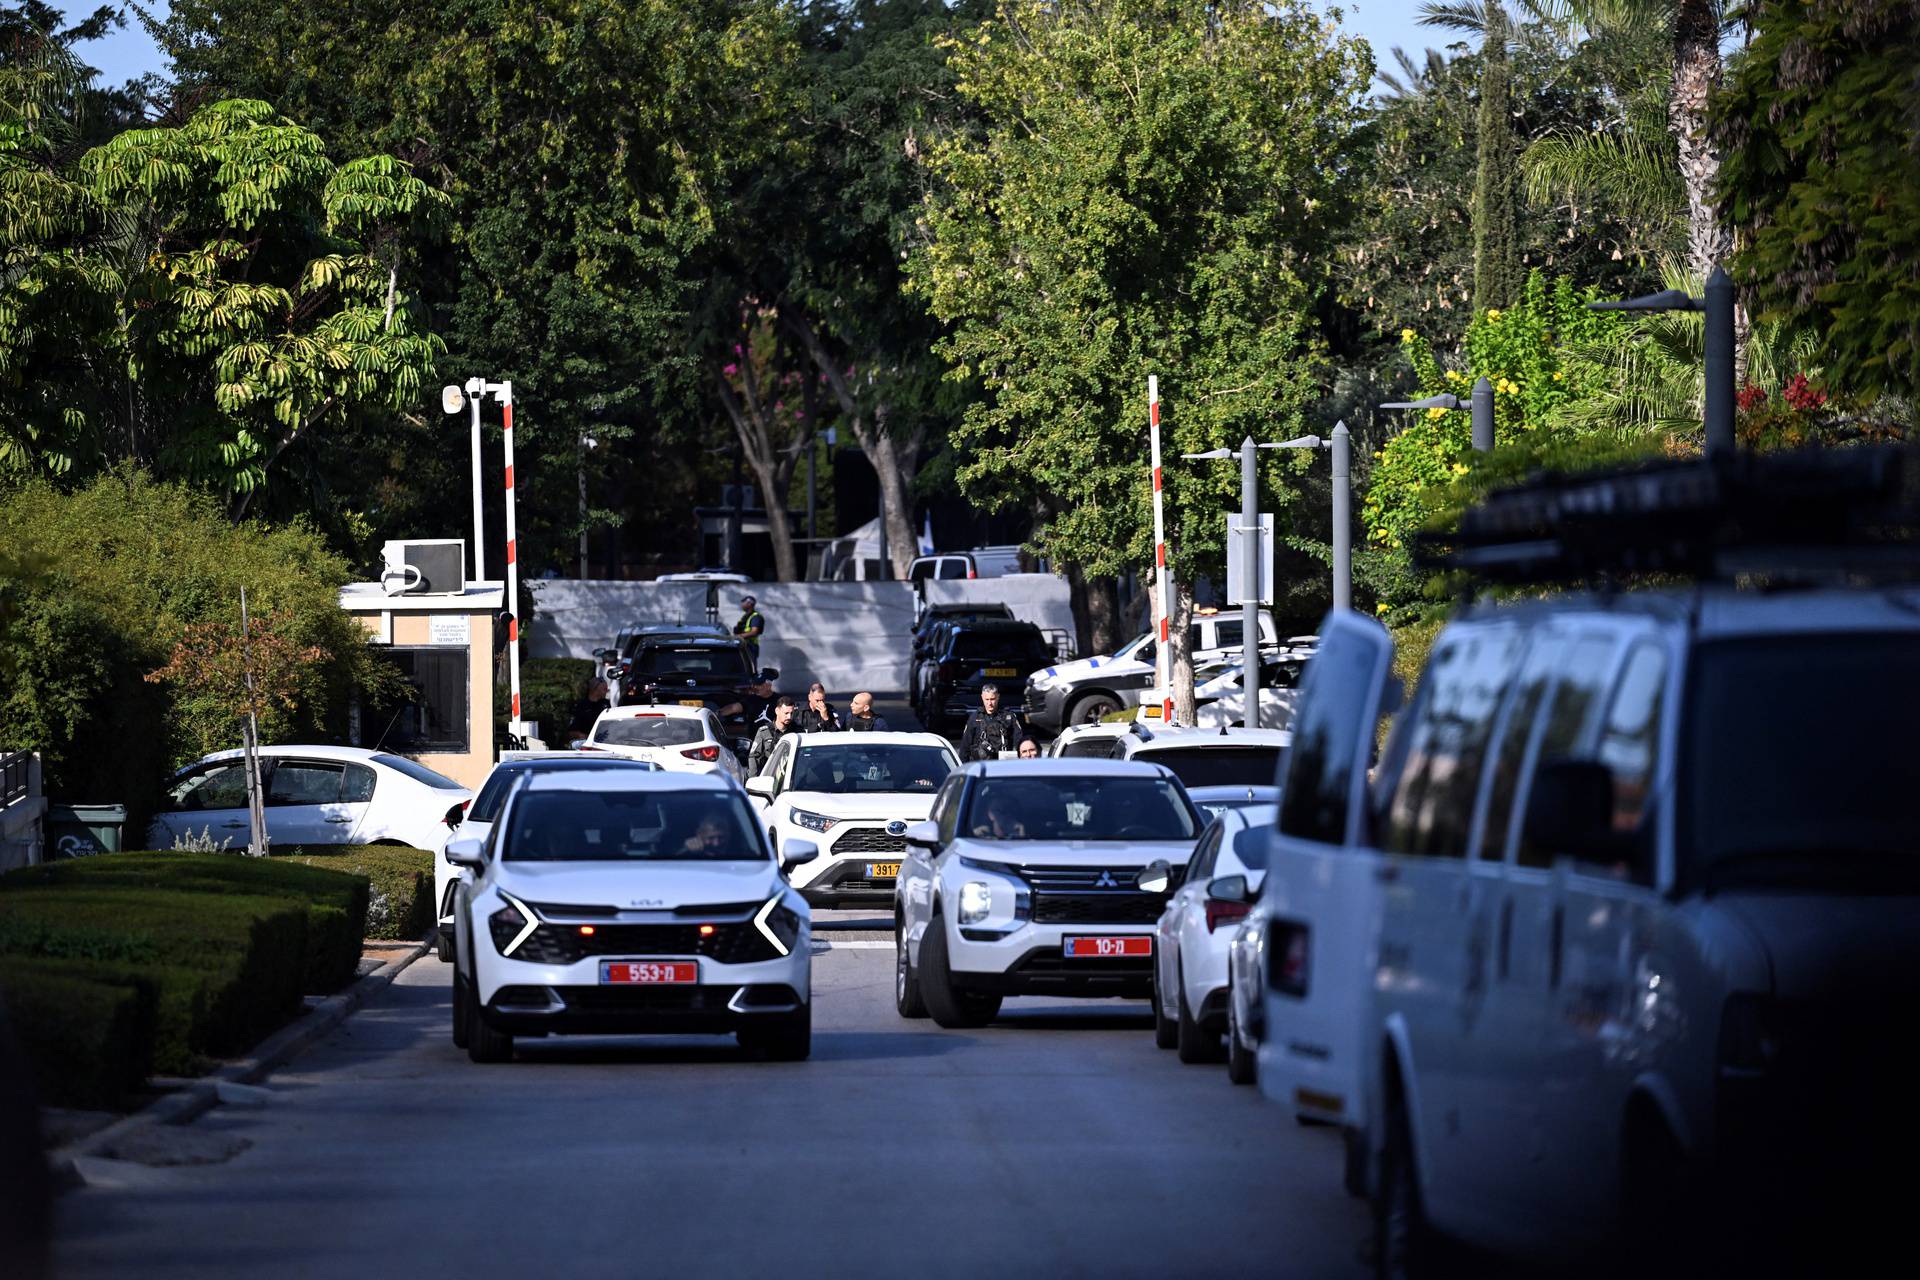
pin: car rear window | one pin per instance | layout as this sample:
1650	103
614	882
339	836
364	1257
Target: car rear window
1248	766
418	772
649	731
723	662
1000	644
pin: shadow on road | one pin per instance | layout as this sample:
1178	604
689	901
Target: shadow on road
1129	1018
836	1046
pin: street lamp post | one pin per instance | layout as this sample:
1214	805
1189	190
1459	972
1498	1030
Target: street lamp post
1717	304
1480	403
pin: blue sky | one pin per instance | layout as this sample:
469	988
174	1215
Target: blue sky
1385	23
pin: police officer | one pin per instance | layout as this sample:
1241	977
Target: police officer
989	730
818	716
770	734
861	718
751	626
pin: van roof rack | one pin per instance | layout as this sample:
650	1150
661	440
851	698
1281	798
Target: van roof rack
1811	514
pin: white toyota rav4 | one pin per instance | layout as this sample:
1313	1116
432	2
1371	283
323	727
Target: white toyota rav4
855	794
1037	877
623	902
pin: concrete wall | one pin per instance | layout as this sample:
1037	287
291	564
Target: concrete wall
1039	598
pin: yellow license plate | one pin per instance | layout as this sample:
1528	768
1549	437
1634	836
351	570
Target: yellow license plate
1002	671
883	871
692	702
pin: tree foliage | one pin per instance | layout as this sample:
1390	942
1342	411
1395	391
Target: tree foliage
1822	176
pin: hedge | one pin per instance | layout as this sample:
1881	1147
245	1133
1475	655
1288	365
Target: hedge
88	1033
400	906
549	690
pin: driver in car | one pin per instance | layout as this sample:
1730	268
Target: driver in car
1004	821
711	838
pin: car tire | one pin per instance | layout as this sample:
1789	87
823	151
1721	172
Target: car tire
1090	708
485	1043
443	948
1243	1067
785	1037
461	1013
1405	1246
949	1008
1166	1032
1191	1040
907	999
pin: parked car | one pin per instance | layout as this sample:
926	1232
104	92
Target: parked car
1081	692
1210	757
1219	699
629	903
1190	944
1036	877
614	659
853	794
1246	995
473	819
929	638
1088	741
313	795
706	575
981	562
1596	910
1216	800
26	1208
676	738
975	654
686	671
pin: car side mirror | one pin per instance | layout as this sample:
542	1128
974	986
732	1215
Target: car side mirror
467	851
761	787
456	814
923	835
1570	811
794	853
1228	889
1155	877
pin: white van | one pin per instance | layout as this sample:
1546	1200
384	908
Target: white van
981	562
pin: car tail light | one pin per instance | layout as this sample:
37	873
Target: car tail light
972	572
708	754
1221	912
1288	953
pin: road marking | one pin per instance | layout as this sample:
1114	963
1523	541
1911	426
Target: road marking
852	946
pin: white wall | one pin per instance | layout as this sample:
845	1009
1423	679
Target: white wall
1040	598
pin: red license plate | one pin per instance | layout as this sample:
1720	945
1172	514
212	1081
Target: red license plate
646	973
1139	944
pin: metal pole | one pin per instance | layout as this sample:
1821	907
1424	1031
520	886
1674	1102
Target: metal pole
513	567
1483	416
886	566
583	508
1162	659
256	812
1719	317
1250	584
813	447
1342	519
733	516
479	519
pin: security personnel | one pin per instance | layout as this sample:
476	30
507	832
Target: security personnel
751	626
989	730
770	734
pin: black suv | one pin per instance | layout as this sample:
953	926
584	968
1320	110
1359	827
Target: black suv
694	671
972	654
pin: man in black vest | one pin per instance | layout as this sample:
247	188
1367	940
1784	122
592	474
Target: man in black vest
989	730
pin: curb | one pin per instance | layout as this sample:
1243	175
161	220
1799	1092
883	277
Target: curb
283	1046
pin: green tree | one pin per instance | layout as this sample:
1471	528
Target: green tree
1823	179
1496	251
1148	195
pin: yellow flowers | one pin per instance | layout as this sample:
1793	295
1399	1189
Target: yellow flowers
1507	386
1436	413
1454	375
1559	376
1406	335
1493	313
1459	468
1380	608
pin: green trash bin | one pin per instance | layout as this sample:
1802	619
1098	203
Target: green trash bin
82	830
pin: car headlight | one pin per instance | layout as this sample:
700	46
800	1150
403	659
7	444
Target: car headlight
813	821
779	924
976	901
511	925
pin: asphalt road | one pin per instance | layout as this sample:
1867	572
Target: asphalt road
1057	1142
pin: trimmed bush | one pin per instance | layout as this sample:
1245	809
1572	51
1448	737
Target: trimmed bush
89	1034
400	905
549	688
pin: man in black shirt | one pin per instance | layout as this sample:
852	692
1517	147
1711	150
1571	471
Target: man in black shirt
818	716
989	730
770	734
860	718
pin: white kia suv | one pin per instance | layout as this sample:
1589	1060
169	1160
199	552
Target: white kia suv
620	902
855	794
1036	877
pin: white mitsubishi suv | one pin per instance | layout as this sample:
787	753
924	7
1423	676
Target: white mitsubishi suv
623	902
855	794
1037	877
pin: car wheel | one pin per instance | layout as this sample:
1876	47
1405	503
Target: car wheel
443	948
948	1007
484	1043
906	982
784	1037
1190	1038
1404	1245
1166	1032
461	1013
1090	708
1242	1066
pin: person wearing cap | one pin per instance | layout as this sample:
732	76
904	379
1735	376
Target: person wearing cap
751	626
752	702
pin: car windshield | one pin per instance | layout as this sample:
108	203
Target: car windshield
842	768
418	772
999	644
486	805
589	825
1798	756
1085	808
701	662
649	730
1249	766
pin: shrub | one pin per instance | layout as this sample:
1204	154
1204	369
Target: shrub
400	905
88	1033
549	688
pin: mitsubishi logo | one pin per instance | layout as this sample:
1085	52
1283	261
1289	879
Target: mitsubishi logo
1106	881
896	828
